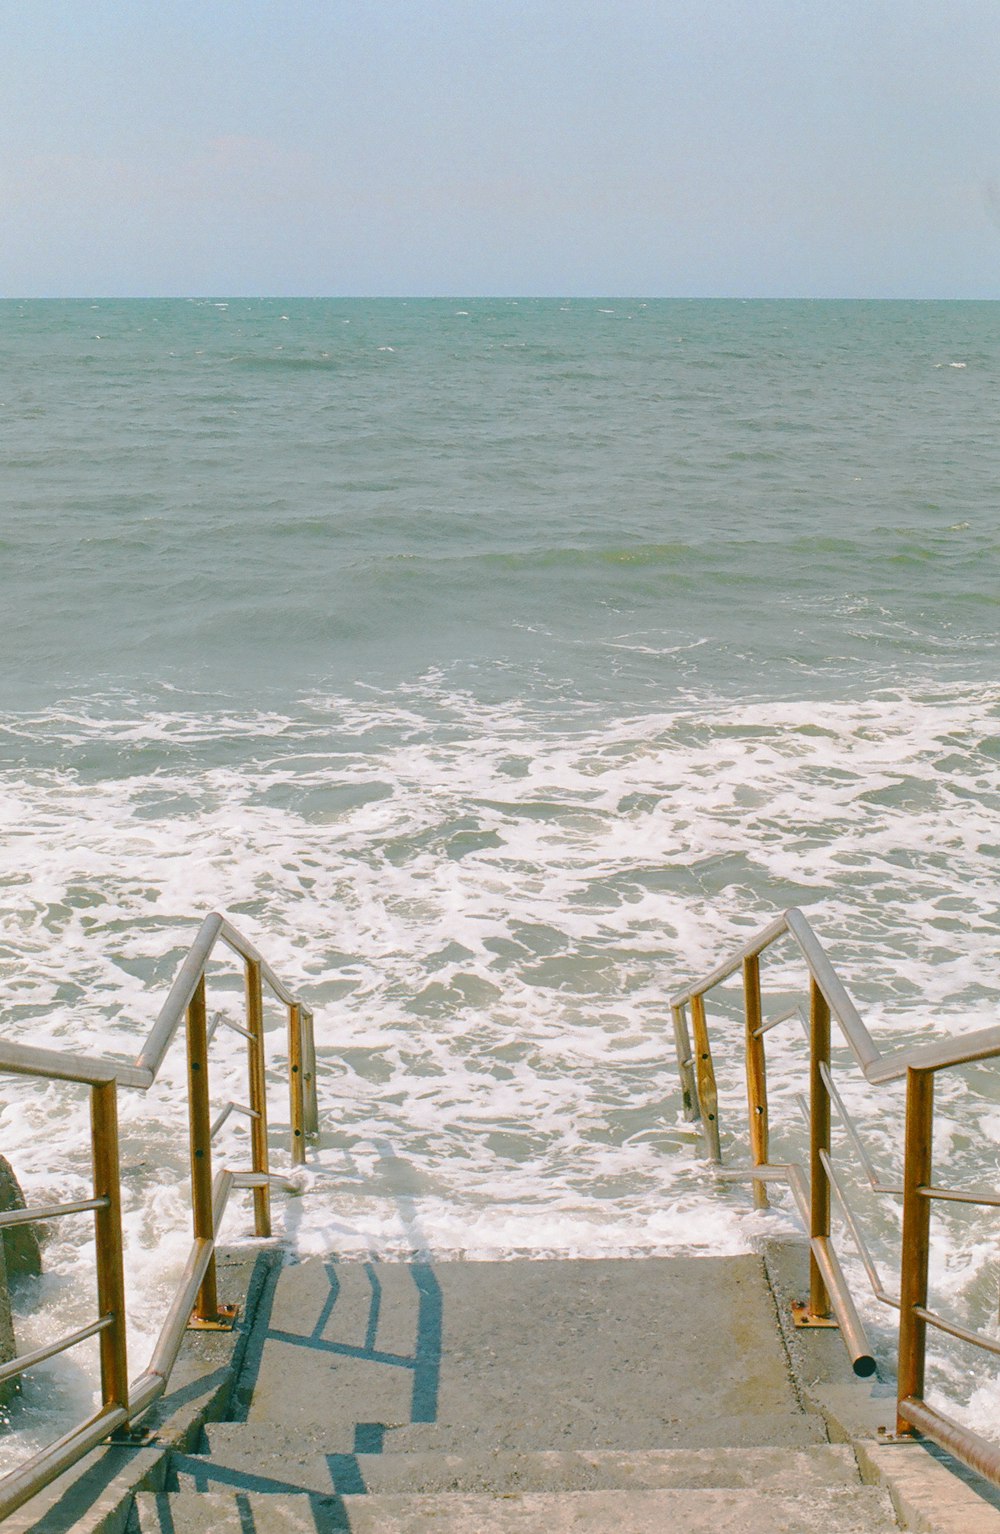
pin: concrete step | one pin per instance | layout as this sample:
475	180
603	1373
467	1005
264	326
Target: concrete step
335	1435
843	1510
756	1430
605	1353
264	1462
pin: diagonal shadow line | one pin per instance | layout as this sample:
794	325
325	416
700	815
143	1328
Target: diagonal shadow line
330	1269
375	1308
207	1473
345	1349
345	1475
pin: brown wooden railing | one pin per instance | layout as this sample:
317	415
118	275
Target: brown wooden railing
813	1186
196	1300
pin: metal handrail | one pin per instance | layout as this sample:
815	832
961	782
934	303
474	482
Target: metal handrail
812	1187
196	1299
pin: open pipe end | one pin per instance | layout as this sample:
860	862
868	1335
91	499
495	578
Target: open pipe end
864	1366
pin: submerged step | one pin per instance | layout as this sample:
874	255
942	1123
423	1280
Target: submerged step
260	1460
840	1510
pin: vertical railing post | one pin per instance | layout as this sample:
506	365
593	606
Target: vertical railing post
708	1094
682	1044
756	1073
296	1084
309	1073
916	1238
207	1304
819	1142
258	1095
108	1235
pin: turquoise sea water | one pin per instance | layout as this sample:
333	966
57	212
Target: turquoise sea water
619	500
496	665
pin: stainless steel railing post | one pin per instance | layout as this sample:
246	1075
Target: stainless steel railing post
819	1142
108	1241
296	1084
203	1218
258	1095
917	1167
756	1068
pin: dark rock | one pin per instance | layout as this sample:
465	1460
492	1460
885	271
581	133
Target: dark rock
8	1346
22	1253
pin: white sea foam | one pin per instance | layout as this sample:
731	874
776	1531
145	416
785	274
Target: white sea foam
490	905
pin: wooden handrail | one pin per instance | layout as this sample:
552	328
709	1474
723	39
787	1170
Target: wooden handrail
812	1187
123	1402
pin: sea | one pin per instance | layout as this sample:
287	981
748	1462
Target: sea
496	666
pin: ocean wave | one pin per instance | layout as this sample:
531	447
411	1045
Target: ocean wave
489	904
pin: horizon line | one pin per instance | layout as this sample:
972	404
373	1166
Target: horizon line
744	298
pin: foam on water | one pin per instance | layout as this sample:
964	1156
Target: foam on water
666	624
489	905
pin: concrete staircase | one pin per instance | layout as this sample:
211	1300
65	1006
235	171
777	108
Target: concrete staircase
523	1398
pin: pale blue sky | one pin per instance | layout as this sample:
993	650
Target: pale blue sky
734	147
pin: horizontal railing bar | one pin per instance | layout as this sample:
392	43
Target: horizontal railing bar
966	1049
222	1186
978	1453
29	1360
221	1020
263	1180
55	1065
220	1120
750	1174
729	966
185	984
239	944
213	929
250	1113
939	1055
874	1278
978	1340
830	983
143	1391
851	1330
168	1344
961	1195
43	1468
11	1217
773	1022
822	971
850	1128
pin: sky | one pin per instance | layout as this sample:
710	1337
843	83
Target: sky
745	148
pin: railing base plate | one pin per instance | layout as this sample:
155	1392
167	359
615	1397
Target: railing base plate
803	1317
131	1437
889	1436
224	1321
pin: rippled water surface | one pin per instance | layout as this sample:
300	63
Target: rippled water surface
495	665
